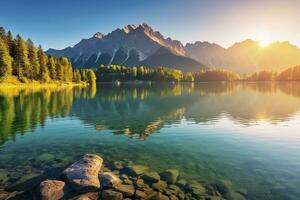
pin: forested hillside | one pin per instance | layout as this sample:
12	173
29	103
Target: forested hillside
23	60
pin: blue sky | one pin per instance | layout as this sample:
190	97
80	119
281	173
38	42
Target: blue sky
62	23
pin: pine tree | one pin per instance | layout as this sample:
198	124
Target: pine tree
52	67
34	61
83	75
21	62
44	73
2	34
91	77
70	73
67	69
77	76
134	72
11	44
59	70
5	60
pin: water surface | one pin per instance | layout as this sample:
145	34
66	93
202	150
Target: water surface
246	134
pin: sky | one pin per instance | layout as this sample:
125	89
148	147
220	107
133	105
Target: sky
61	23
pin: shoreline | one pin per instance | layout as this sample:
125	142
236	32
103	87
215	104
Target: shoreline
13	82
7	85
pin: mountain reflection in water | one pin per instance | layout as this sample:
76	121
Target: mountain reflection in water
140	110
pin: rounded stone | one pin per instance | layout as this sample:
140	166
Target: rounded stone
127	190
111	195
151	177
108	179
170	175
53	189
159	186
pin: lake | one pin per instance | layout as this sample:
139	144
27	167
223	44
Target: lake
246	134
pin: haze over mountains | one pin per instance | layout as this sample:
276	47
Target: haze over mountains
141	45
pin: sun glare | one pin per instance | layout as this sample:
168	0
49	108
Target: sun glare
263	38
263	43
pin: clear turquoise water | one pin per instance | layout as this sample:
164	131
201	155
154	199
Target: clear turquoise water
248	134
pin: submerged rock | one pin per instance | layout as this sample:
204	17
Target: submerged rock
127	190
135	170
108	179
151	177
45	157
140	194
7	195
3	175
82	175
53	190
157	196
160	185
170	175
182	182
87	196
223	186
111	195
234	196
173	189
197	189
118	165
173	197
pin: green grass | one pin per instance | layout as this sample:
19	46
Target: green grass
13	81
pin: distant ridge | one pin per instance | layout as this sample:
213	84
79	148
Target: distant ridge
246	56
136	45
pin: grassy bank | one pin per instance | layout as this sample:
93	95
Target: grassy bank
14	82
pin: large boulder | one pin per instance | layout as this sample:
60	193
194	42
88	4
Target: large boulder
170	175
82	175
53	190
109	180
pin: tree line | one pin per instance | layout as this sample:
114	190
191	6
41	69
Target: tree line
122	73
27	62
290	74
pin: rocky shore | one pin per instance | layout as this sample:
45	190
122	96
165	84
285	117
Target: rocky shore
89	179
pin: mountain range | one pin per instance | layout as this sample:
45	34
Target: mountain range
141	45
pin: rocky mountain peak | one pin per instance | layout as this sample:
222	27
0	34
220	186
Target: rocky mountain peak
129	28
145	26
99	35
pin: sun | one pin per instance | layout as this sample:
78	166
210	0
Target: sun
263	37
263	43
